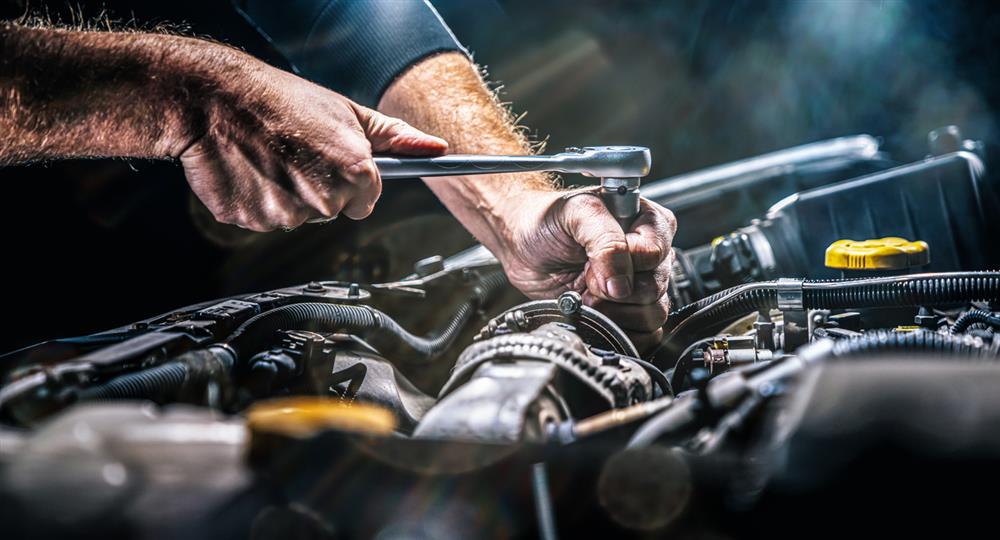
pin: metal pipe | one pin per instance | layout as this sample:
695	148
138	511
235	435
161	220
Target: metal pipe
857	148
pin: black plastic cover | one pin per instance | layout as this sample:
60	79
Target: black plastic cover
946	201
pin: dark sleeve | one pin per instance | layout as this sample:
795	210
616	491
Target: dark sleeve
355	47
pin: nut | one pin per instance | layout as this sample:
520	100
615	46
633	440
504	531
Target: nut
570	303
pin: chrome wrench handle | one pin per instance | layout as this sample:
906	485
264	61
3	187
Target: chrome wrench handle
620	169
594	161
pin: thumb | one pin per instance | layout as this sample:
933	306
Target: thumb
394	136
609	274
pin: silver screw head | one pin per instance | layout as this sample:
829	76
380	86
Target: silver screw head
569	303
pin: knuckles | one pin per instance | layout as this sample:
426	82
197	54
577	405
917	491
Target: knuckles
362	173
261	221
590	206
612	246
666	218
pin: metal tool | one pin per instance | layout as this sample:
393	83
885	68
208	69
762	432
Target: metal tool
620	169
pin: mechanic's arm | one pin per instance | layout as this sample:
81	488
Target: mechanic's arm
402	57
548	240
260	147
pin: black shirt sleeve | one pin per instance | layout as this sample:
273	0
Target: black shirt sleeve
355	47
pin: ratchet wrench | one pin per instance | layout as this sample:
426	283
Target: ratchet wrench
619	168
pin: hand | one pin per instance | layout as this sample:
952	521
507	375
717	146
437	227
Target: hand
569	241
275	150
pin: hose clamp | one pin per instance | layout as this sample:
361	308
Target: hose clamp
226	349
789	294
376	314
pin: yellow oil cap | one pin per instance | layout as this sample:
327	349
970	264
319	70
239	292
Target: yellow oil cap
890	253
305	416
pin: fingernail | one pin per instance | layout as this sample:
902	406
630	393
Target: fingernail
619	287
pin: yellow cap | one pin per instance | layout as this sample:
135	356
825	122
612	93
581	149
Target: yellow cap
306	416
890	253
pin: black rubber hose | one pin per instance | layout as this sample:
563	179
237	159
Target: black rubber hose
683	312
657	375
972	317
255	333
885	341
894	291
163	381
167	382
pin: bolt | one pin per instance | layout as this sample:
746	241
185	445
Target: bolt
609	358
315	286
353	290
569	303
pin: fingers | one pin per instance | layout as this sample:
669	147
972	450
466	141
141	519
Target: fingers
237	193
325	201
340	177
635	317
315	164
643	311
362	185
648	287
610	272
394	136
367	187
651	236
643	323
646	341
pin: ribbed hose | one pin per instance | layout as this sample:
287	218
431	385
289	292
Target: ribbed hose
163	380
512	346
190	372
547	349
972	317
752	297
254	334
884	341
894	291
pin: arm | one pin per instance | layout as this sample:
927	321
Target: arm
251	152
88	94
548	240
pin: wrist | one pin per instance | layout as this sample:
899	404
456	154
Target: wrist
205	81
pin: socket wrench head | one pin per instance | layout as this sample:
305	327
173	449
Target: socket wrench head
620	169
612	161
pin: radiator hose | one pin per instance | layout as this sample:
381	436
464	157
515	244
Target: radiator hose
254	334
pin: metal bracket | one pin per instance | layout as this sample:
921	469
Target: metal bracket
789	294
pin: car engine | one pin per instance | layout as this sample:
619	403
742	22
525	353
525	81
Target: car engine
829	363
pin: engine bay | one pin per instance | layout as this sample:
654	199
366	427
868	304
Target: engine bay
829	352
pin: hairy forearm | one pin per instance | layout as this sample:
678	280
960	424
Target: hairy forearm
445	95
67	93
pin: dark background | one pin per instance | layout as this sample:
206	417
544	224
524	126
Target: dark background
96	244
